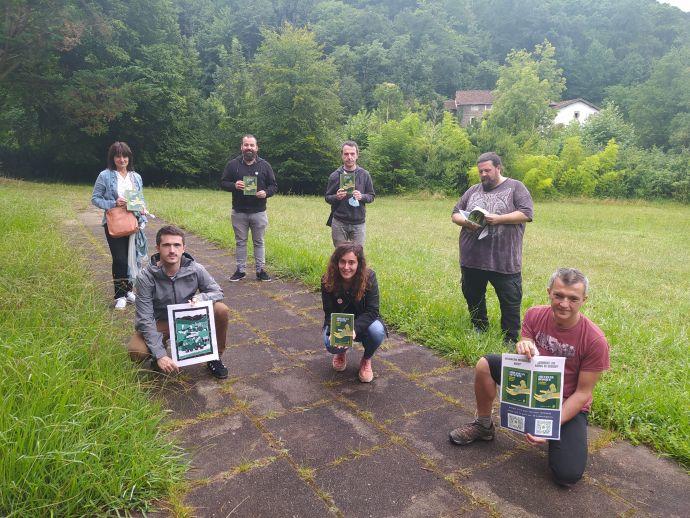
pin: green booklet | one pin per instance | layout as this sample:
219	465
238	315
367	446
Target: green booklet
347	182
135	200
249	185
342	326
477	216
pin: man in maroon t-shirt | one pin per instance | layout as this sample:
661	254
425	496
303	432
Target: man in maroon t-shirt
555	330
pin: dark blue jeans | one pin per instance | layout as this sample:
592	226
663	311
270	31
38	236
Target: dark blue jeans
508	287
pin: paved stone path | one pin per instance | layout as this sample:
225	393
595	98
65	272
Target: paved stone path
286	436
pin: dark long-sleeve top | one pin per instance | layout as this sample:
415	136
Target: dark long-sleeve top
342	210
235	170
365	310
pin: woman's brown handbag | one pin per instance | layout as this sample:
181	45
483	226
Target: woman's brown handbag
120	222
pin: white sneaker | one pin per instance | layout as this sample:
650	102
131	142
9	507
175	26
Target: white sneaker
131	297
121	303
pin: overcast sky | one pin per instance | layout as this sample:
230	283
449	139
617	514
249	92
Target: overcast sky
683	5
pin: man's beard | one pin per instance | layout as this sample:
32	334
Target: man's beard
248	156
488	183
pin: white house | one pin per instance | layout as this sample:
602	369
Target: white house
574	109
470	105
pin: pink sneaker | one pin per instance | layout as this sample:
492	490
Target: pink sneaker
340	362
365	372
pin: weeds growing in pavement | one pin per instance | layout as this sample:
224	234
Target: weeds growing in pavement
634	253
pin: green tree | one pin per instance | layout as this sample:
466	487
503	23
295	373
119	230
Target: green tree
390	103
449	153
394	155
526	85
659	107
297	108
606	125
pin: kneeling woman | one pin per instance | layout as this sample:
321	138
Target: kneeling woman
350	287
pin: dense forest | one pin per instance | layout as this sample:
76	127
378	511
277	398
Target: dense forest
182	80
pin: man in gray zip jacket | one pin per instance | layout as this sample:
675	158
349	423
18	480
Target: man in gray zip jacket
348	212
173	277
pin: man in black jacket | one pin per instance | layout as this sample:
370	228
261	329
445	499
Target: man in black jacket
249	210
348	212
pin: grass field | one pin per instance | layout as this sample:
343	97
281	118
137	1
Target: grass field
78	435
635	254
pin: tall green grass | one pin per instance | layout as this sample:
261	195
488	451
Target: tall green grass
635	254
78	435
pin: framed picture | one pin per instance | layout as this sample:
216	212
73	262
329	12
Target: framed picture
192	333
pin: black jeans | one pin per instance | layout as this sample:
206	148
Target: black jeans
568	456
119	249
508	287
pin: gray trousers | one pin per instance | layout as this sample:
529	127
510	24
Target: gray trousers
242	222
347	233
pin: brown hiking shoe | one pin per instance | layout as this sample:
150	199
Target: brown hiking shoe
468	433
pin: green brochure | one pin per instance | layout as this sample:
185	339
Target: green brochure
347	182
249	185
135	200
342	325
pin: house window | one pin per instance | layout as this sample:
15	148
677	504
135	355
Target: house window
576	115
475	108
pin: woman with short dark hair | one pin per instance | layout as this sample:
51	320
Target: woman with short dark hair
348	286
108	192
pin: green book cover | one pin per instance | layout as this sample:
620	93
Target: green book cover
135	200
342	326
546	390
249	185
347	182
516	386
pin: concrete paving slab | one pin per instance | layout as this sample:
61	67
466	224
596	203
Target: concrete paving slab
253	359
389	483
272	317
624	469
279	392
273	490
297	339
301	300
413	359
218	445
239	333
522	486
457	384
315	314
188	396
320	435
249	300
389	397
428	432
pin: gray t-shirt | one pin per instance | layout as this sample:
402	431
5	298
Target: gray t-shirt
501	250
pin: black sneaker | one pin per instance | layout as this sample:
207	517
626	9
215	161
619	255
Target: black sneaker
218	370
237	276
263	276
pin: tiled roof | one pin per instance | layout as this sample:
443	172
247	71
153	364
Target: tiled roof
473	97
563	104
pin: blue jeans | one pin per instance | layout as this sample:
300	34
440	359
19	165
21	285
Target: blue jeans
374	337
